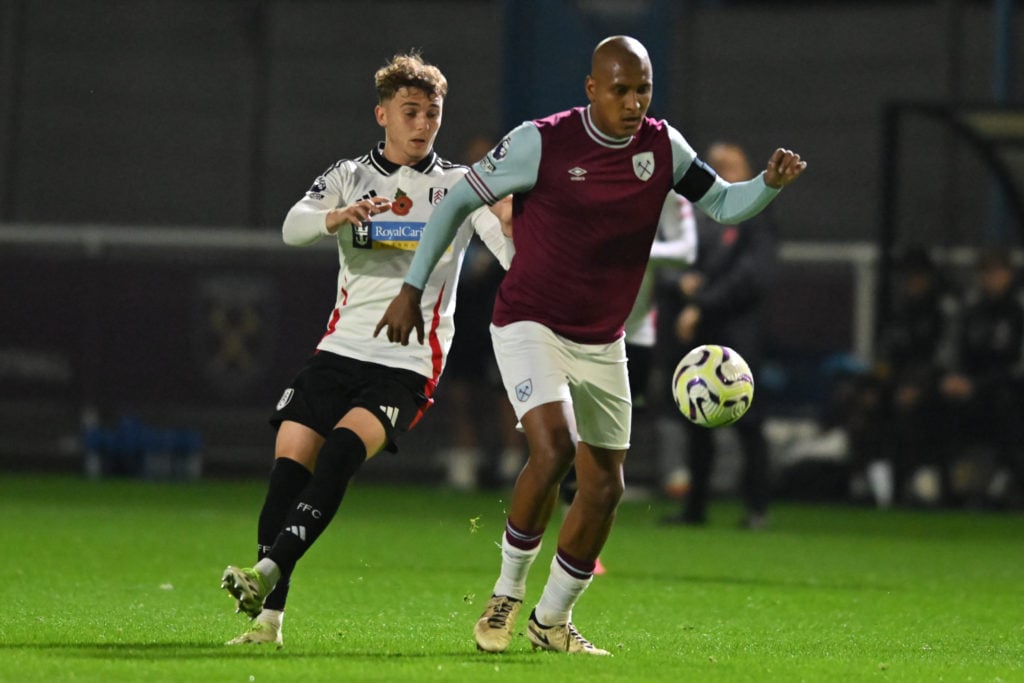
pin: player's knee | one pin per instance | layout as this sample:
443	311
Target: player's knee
601	489
612	490
552	458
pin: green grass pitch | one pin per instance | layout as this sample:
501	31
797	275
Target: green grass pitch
119	581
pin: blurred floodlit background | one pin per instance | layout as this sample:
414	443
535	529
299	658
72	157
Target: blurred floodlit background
150	149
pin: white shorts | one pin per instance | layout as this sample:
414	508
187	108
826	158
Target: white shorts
538	366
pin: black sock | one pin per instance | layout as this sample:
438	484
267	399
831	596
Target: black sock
287	479
340	458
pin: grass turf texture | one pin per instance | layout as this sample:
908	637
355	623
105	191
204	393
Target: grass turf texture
118	581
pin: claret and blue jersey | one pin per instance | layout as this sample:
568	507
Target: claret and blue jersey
586	210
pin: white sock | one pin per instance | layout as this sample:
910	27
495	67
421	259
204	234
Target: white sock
560	595
269	570
271	617
515	565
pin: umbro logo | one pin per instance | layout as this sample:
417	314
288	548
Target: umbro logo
577	173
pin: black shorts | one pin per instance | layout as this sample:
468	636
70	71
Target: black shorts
329	386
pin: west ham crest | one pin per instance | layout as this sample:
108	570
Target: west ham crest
235	316
643	165
524	390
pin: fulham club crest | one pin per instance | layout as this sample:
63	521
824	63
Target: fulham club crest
437	194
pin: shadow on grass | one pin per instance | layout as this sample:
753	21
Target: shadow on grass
795	582
200	651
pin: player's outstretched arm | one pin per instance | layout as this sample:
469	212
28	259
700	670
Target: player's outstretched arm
784	167
314	217
403	315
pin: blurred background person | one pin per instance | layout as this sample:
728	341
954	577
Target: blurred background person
718	301
675	246
981	394
891	412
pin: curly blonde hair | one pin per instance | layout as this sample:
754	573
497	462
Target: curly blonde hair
409	71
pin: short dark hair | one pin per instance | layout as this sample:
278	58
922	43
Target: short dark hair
409	71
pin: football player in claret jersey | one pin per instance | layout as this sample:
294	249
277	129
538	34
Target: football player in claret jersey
357	393
588	186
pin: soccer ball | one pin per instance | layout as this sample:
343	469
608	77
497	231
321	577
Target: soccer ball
713	386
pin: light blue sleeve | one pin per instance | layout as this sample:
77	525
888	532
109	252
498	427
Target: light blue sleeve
732	203
440	230
510	167
724	202
682	154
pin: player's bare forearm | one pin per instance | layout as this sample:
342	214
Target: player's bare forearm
784	167
402	316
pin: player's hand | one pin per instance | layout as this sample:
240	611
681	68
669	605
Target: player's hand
784	167
686	324
690	283
402	316
503	210
357	213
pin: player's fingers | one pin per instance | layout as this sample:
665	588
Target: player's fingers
791	165
776	159
365	209
361	214
794	165
379	204
379	327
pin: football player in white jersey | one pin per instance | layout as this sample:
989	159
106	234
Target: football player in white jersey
357	393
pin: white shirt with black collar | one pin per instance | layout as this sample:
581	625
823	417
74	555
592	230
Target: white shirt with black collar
375	257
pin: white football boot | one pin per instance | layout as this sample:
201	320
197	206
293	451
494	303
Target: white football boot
560	638
265	628
493	631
